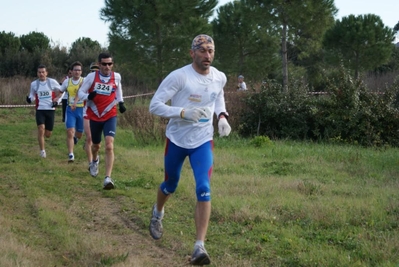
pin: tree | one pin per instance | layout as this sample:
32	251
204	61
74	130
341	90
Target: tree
84	50
9	47
151	38
242	45
361	42
301	23
35	41
396	27
9	42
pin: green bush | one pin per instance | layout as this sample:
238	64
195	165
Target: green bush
261	141
277	114
349	113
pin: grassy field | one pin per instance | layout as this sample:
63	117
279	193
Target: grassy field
274	203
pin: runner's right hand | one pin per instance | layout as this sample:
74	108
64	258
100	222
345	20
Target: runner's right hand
192	114
91	95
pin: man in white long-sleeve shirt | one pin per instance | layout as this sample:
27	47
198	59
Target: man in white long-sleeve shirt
103	90
196	93
43	92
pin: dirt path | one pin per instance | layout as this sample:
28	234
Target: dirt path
124	235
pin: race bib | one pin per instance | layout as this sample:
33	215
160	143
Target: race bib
72	101
103	89
44	94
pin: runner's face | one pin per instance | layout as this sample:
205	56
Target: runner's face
77	72
203	58
106	66
42	74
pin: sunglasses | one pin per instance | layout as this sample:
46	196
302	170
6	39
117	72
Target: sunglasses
106	64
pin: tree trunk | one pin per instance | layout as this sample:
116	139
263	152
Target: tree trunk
284	56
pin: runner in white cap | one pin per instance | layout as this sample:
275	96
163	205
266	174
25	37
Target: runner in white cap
196	93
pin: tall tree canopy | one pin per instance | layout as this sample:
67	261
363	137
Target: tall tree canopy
9	42
153	37
35	41
362	42
84	50
9	49
244	44
301	23
396	27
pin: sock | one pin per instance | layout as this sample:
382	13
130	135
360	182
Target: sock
199	243
157	213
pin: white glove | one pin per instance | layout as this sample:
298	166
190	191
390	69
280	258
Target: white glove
192	114
224	127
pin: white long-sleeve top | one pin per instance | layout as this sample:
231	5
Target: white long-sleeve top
43	92
186	88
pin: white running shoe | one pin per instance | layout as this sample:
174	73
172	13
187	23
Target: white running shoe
43	154
156	229
71	158
93	168
108	183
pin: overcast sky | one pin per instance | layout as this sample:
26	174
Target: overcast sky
65	23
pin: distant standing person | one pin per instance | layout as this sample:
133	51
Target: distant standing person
74	110
64	98
241	86
43	92
103	91
196	93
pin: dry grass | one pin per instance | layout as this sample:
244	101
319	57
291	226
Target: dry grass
14	90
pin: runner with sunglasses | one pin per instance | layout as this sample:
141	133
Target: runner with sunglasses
103	91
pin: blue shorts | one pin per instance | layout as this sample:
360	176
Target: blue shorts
74	119
107	127
201	160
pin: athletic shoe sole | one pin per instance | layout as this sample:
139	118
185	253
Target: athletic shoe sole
202	260
109	186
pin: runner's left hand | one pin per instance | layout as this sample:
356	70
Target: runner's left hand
224	127
122	107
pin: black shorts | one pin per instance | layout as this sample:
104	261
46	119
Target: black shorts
45	117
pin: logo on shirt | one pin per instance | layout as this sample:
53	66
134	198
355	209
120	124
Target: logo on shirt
195	98
213	96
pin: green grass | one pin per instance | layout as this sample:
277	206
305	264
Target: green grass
274	203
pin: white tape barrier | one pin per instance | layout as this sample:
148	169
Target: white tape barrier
16	106
133	96
26	106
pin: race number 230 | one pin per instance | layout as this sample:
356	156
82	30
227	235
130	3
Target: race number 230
103	89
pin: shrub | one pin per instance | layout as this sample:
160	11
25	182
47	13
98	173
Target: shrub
349	113
261	141
146	128
272	112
